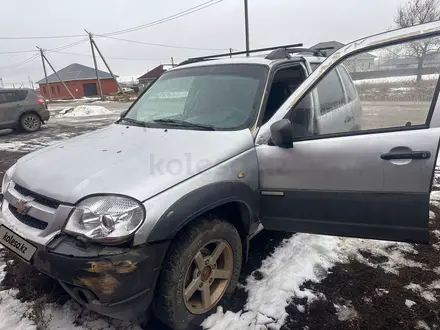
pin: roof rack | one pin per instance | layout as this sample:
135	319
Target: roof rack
212	57
285	52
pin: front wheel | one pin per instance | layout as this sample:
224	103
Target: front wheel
200	271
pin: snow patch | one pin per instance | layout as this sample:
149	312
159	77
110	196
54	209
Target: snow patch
417	288
346	312
298	259
409	303
422	325
381	292
85	111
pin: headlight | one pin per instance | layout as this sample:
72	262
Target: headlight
107	219
7	178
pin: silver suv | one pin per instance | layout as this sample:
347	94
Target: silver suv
158	209
22	109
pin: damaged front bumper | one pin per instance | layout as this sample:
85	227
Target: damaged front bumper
113	281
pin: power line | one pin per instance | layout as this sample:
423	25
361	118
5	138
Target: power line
42	37
15	65
166	19
67	46
18	52
159	45
114	58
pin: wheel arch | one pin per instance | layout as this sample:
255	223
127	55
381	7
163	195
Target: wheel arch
33	111
235	202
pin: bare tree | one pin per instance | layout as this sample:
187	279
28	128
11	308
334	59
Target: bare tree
416	12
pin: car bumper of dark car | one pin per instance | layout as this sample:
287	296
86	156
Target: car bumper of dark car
113	281
45	115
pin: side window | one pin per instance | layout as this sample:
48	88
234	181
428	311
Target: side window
2	97
384	96
348	83
314	65
11	97
330	93
285	82
22	94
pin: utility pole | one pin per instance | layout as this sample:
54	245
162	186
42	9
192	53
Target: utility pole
56	74
45	74
230	52
31	83
108	68
172	62
246	25
96	65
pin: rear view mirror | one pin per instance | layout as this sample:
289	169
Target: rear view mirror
281	132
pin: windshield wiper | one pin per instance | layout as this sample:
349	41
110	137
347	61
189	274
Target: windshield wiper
184	123
133	121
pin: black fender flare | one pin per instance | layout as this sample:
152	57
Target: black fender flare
200	201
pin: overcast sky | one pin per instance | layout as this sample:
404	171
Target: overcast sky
272	22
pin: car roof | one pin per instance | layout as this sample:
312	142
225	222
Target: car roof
254	60
15	89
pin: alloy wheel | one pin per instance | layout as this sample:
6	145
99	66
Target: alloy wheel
208	276
31	122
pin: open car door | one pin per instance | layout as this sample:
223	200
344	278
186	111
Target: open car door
370	176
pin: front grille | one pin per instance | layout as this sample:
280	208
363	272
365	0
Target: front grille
37	198
28	220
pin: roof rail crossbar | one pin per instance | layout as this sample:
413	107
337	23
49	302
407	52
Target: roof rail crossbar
314	51
211	57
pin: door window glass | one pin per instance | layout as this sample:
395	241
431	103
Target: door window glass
383	96
7	97
330	93
350	89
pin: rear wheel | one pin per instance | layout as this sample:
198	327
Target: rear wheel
200	271
30	122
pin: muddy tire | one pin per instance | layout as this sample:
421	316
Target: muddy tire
200	272
30	122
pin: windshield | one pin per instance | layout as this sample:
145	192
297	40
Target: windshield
218	96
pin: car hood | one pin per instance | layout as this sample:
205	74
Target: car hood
128	160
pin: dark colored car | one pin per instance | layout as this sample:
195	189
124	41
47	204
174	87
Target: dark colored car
22	109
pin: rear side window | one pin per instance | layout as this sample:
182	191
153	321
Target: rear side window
330	92
22	94
348	83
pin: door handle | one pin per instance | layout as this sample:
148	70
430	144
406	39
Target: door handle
406	155
348	119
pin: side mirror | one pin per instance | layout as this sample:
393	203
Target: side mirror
123	113
281	132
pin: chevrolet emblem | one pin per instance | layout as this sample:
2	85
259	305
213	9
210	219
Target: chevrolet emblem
23	206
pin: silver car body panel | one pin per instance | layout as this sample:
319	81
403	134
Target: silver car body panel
227	171
127	160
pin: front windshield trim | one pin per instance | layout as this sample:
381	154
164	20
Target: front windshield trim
253	114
